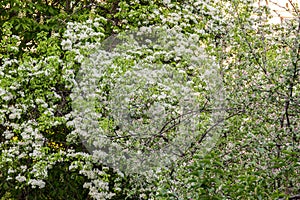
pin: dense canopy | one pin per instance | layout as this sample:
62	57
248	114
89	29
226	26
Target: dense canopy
219	74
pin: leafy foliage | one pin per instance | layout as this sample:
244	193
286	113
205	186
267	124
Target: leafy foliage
42	46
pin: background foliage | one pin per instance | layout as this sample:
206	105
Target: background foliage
43	43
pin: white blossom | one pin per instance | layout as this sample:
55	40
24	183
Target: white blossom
20	178
66	44
36	183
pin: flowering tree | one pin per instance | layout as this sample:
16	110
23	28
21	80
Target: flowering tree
43	153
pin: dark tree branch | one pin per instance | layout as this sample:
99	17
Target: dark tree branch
295	197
